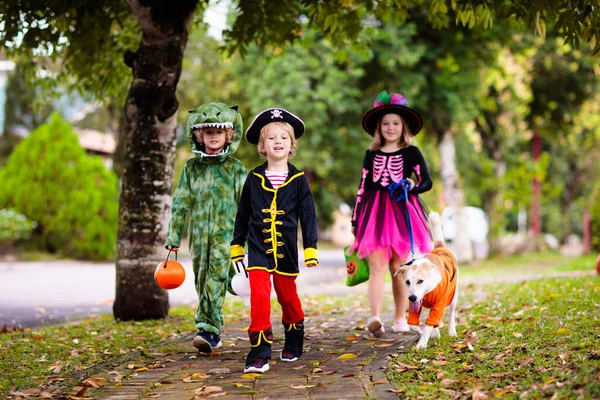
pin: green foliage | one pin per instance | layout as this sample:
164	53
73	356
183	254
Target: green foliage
73	197
342	21
80	44
14	226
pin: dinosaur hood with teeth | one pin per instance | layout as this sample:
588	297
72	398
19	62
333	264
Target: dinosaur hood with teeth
218	115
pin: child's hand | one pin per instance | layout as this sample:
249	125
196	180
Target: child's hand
172	248
412	184
311	265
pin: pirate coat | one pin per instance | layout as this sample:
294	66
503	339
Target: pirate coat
268	219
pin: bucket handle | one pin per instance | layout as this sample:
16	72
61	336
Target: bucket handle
240	264
167	259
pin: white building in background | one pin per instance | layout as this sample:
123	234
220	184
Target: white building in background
5	68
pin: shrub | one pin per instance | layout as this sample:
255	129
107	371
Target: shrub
14	226
73	197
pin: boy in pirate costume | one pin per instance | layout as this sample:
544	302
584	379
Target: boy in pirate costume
275	196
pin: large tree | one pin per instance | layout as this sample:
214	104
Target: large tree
89	39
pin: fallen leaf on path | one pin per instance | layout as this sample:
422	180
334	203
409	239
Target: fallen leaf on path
380	382
347	356
251	375
208	389
348	376
94	382
191	380
217	371
302	386
384	345
351	338
299	367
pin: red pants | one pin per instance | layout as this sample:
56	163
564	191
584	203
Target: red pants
260	299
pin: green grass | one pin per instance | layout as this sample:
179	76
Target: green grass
528	264
537	339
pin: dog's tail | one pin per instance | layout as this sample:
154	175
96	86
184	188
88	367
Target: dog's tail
435	225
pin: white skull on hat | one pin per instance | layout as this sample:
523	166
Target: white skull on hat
276	114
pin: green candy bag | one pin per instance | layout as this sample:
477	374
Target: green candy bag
357	269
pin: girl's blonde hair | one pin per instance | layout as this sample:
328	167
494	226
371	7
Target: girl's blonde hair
406	139
287	128
229	134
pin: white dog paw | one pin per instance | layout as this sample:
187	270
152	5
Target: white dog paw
420	345
436	333
416	328
452	332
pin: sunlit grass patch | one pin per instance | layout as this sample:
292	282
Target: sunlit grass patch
536	339
31	357
532	264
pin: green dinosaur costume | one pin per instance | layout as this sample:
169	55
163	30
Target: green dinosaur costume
209	191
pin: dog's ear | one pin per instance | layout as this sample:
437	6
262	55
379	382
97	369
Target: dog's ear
402	269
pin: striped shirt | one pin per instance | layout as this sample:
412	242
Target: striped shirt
276	178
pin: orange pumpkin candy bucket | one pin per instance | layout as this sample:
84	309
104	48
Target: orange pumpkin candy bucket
169	274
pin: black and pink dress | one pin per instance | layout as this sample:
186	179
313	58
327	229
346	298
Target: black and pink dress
380	222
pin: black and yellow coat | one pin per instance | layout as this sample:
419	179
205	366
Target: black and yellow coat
268	219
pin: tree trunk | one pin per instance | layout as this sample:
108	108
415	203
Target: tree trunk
454	197
536	202
150	121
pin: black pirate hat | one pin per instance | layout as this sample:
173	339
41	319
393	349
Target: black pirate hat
391	103
273	115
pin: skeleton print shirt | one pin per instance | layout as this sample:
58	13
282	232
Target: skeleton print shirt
381	169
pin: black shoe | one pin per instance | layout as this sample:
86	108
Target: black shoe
258	365
294	341
205	342
287	356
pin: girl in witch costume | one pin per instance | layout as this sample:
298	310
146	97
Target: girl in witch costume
275	196
208	191
379	222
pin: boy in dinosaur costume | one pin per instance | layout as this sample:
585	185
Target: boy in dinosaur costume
209	191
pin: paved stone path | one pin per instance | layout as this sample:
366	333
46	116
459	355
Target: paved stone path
341	361
319	374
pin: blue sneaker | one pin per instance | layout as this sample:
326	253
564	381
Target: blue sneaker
206	341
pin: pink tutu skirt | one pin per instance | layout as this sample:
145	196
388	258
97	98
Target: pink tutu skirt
382	226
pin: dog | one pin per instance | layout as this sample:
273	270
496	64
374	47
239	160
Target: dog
432	282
